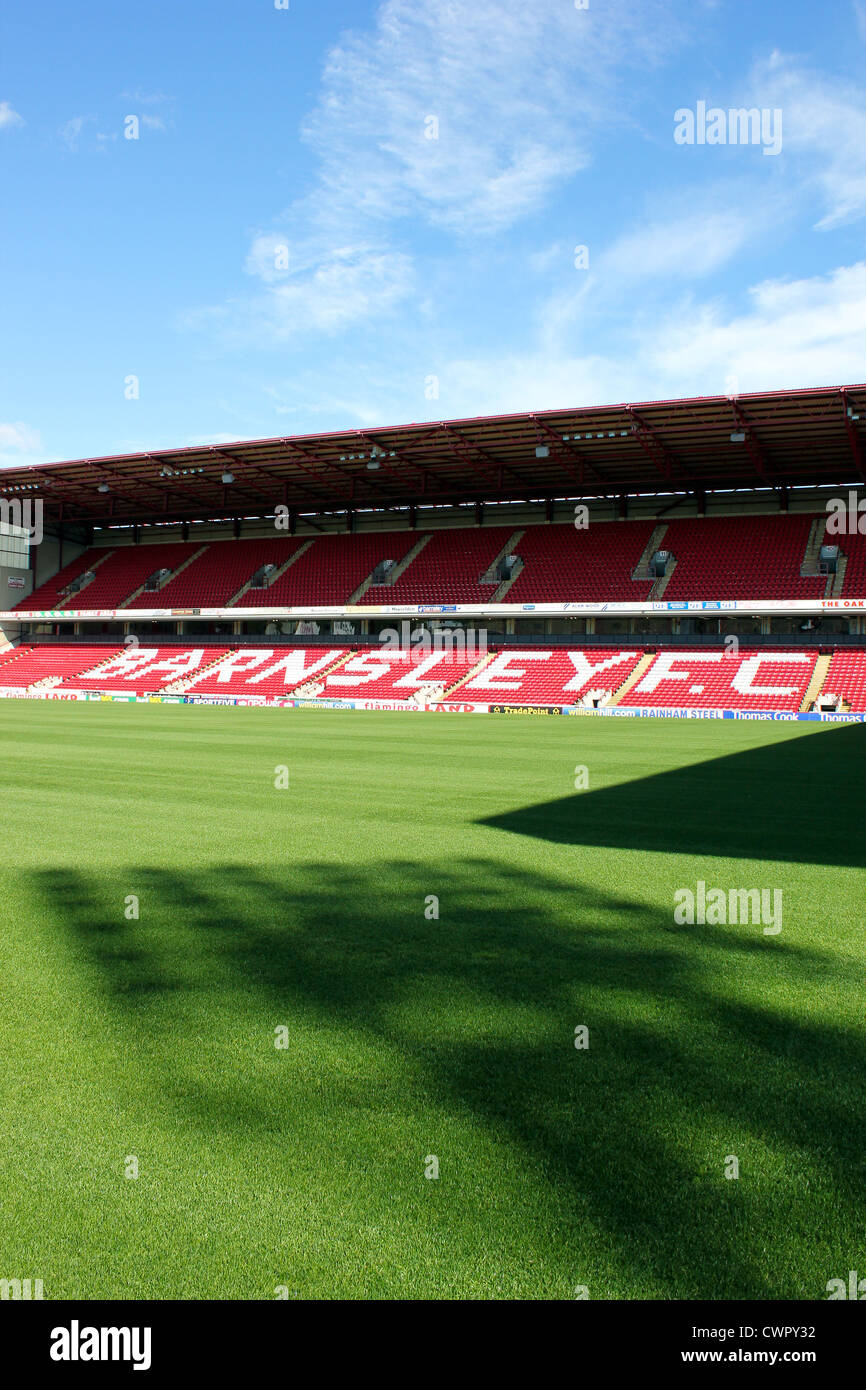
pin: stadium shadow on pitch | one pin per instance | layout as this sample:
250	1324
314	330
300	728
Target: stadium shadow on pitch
628	1139
798	801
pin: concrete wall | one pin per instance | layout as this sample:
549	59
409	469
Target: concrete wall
45	558
44	562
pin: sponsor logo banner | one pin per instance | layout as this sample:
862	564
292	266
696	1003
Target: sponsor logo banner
609	712
327	704
399	706
755	607
526	709
618	712
459	709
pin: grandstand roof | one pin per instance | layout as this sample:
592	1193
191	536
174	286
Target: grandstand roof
775	439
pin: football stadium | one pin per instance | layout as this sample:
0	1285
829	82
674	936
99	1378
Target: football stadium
304	999
432	679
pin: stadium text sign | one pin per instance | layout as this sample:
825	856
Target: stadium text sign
707	607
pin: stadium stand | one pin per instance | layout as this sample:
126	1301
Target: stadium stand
38	663
515	676
740	557
563	564
449	566
333	569
124	571
660	594
853	548
750	680
753	679
215	577
395	675
713	557
373	673
553	676
11	655
143	670
846	678
265	671
51	594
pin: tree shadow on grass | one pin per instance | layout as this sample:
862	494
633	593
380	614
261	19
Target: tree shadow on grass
797	801
483	1002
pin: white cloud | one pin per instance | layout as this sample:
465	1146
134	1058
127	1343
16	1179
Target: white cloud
8	117
70	132
20	445
824	134
685	246
352	283
270	257
347	285
142	98
794	333
694	237
550	258
202	441
512	127
18	436
73	131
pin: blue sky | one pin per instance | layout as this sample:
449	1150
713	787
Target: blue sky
286	248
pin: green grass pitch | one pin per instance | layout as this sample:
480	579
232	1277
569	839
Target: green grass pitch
411	1037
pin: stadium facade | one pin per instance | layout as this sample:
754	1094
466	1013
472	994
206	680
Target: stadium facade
695	556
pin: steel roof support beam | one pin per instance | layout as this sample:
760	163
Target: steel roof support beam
560	447
260	499
753	448
853	437
382	452
478	459
660	457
